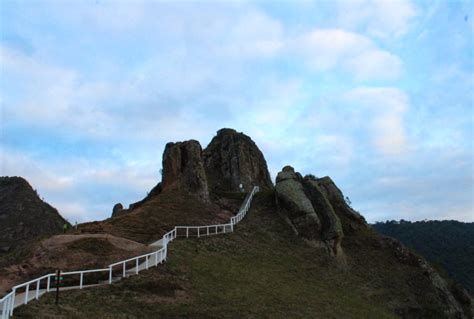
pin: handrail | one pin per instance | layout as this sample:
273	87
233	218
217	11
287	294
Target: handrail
8	301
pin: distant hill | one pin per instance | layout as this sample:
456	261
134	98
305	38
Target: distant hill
23	215
447	243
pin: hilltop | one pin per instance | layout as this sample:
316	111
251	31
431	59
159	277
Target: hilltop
24	216
263	270
301	251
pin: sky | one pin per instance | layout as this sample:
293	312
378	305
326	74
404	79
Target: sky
376	94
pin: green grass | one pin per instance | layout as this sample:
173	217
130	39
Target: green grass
260	271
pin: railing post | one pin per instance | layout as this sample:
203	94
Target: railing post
110	275
48	284
136	268
187	232
37	289
207	230
27	291
199	231
7	304
13	302
146	262
156	258
81	280
5	308
124	271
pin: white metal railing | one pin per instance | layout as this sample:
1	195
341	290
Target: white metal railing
136	264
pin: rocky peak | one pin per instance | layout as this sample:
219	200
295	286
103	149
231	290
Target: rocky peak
296	205
232	159
183	169
352	220
308	210
23	215
118	210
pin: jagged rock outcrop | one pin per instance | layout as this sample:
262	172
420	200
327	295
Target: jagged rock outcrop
118	210
351	220
292	197
308	210
331	230
229	160
232	159
183	169
23	215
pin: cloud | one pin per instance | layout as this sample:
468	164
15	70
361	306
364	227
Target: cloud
381	19
326	49
434	194
94	90
82	189
254	35
375	64
384	109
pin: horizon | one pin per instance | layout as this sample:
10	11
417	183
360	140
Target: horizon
376	95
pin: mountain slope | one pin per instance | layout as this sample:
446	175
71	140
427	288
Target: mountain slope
263	270
159	214
448	243
23	215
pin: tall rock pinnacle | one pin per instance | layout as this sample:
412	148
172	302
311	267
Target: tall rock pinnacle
232	159
183	169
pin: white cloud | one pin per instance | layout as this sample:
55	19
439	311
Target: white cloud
381	19
326	49
69	185
13	163
254	34
375	64
338	149
384	110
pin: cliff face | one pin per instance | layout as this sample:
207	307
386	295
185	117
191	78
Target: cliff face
232	159
351	220
23	215
183	169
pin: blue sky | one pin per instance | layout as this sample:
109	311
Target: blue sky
376	94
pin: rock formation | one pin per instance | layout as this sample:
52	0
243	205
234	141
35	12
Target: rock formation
351	220
117	210
292	197
232	159
308	209
23	215
332	233
229	160
183	169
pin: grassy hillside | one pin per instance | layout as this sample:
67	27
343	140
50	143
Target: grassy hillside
449	244
155	217
261	271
